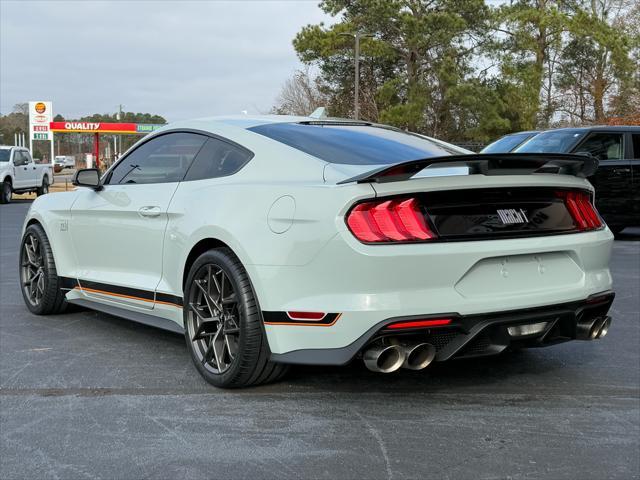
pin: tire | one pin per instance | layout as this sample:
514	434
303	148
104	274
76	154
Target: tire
241	358
36	264
6	191
44	189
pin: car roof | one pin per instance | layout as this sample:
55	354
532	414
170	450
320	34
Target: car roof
609	128
250	121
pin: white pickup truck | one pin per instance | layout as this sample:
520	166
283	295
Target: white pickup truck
20	174
64	161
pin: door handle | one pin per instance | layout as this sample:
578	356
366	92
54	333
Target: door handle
149	211
622	170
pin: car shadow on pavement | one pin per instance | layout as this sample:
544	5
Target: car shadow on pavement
452	377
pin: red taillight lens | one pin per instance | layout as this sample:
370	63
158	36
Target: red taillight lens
582	211
399	220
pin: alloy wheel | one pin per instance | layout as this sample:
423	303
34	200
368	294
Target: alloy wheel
32	265
213	319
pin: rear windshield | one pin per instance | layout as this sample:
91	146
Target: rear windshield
5	153
558	141
353	144
508	143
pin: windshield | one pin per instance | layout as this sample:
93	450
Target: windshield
508	143
354	144
5	153
558	141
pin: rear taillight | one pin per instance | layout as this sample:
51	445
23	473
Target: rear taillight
397	220
582	211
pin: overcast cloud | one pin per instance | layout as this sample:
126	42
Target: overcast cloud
179	59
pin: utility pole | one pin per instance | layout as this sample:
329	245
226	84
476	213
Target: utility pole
356	102
119	117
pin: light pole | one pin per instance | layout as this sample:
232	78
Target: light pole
119	117
356	103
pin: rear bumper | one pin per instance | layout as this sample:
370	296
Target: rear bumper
469	336
369	284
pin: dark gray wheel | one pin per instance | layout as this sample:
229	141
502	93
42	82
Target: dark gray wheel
223	324
6	191
44	189
40	284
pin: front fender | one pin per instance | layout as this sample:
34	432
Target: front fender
53	212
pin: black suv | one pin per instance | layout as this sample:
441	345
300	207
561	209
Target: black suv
617	180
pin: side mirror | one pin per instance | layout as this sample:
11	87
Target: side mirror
87	177
20	162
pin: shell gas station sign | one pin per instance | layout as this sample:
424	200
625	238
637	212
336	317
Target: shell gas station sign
40	116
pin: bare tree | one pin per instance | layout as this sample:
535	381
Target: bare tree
22	108
300	95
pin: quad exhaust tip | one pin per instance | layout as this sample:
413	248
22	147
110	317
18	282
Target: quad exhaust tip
418	356
389	358
384	358
593	328
604	328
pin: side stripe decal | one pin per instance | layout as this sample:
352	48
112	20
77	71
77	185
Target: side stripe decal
281	318
117	290
168	299
120	291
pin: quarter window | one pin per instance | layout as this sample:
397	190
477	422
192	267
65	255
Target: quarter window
218	159
163	159
603	146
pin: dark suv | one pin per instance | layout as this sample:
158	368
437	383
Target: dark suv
617	180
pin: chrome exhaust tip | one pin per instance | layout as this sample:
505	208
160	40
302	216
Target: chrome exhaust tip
589	329
604	328
384	358
418	356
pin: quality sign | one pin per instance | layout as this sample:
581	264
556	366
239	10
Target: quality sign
103	127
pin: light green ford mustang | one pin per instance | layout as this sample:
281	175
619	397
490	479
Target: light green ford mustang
277	240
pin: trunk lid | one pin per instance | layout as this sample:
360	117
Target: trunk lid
478	207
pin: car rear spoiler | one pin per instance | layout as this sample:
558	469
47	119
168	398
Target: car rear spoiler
486	164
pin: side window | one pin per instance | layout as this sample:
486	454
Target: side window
218	159
163	159
636	145
19	158
603	146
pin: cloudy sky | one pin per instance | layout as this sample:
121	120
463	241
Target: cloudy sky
179	59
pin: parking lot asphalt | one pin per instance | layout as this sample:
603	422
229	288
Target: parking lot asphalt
88	395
